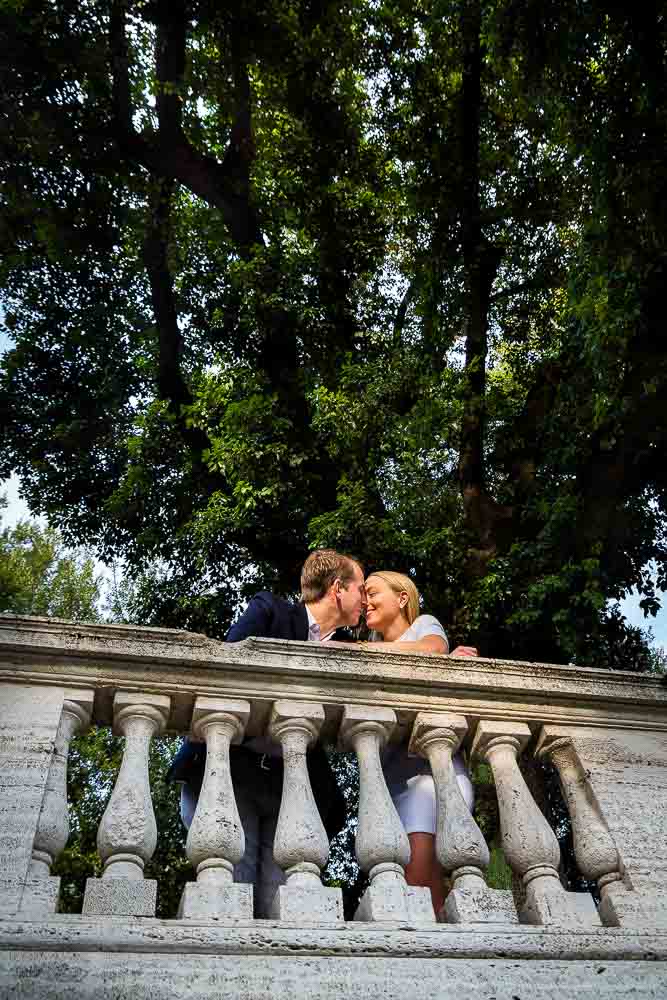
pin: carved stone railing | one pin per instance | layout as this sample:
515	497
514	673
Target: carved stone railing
606	734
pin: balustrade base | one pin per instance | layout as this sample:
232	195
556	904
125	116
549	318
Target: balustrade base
232	901
40	897
622	907
102	959
307	904
479	906
120	897
548	904
395	901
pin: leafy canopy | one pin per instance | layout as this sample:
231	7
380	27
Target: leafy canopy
385	276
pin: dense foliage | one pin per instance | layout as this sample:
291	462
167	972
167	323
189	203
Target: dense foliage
379	275
39	576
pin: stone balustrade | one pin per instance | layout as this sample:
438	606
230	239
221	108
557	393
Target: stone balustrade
605	733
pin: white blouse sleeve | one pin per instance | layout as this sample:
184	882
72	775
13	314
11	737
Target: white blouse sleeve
426	625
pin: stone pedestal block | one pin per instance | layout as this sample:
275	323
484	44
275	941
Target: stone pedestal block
29	719
40	897
307	904
393	900
549	904
231	901
120	897
479	906
420	905
622	907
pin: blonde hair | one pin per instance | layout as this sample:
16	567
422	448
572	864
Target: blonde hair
402	584
321	569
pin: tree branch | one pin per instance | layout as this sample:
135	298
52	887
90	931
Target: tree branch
402	311
170	383
517	288
170	154
169	70
481	261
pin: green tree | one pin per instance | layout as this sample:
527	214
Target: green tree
384	276
40	576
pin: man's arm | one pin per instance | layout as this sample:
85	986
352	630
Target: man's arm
255	620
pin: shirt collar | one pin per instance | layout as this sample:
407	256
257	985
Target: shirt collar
314	631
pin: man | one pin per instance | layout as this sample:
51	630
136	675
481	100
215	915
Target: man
332	596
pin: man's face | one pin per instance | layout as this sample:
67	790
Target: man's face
351	598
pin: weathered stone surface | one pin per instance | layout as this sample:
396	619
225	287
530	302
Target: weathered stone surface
594	846
216	841
623	907
420	906
627	772
548	903
389	899
40	897
300	835
29	718
45	976
459	844
307	904
167	937
120	897
232	901
127	834
615	785
482	905
623	756
181	664
41	891
381	838
528	841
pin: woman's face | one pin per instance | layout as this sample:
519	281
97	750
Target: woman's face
383	605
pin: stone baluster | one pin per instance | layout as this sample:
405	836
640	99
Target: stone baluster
216	841
528	841
301	845
127	833
594	848
459	843
382	845
40	895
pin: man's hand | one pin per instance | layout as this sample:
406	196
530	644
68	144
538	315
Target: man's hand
465	651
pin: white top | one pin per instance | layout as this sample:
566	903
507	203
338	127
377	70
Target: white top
421	627
398	767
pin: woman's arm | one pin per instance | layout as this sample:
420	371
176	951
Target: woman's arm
428	644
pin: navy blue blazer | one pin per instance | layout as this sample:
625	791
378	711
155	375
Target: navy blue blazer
271	617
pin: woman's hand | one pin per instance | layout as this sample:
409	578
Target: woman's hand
465	651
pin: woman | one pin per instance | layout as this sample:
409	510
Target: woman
393	610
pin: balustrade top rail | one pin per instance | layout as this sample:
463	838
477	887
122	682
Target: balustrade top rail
183	665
